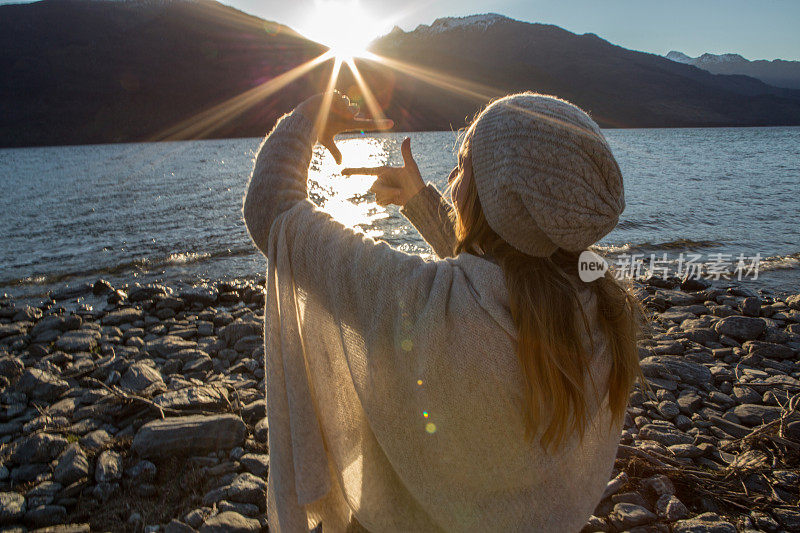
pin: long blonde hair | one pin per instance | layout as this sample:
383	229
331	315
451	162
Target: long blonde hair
545	307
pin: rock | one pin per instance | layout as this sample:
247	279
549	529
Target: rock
109	467
261	430
658	486
755	415
628	515
195	518
168	345
176	526
668	409
704	523
46	515
671	508
193	398
203	295
230	522
793	301
741	328
41	385
750	306
146	292
731	428
122	316
77	341
12	507
201	364
189	435
72	465
689	402
665	435
38	448
94	440
139	376
240	329
245	488
789	518
142	472
769	350
257	463
11	367
685	450
666	367
248	344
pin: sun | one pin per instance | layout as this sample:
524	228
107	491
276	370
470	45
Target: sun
343	26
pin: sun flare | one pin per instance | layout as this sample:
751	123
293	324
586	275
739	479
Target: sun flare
344	26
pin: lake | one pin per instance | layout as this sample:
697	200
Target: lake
172	211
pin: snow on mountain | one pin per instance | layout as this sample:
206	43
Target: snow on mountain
777	72
446	24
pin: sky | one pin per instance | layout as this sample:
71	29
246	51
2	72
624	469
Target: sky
756	29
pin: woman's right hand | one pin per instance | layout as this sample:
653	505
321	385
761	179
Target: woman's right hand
395	185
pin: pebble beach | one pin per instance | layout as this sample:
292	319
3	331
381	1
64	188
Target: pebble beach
145	411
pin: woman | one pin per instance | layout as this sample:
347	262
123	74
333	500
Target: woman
483	391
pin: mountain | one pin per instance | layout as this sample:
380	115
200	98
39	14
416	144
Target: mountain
95	71
778	72
493	55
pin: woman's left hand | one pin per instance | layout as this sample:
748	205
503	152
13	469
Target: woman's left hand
333	113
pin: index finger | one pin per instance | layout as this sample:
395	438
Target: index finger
365	171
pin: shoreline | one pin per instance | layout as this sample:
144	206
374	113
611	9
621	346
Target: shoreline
143	408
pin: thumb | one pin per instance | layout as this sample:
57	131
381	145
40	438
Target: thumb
331	146
408	159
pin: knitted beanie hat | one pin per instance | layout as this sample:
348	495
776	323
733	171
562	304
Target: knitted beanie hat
545	175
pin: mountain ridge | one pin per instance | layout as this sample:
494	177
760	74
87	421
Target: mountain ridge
778	72
95	71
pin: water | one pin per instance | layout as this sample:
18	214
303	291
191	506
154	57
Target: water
172	211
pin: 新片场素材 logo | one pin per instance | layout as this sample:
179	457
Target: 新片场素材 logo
591	266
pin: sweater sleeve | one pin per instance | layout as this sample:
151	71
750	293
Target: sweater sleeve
432	216
366	283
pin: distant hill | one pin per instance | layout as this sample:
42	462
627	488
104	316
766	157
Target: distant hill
778	72
95	71
620	87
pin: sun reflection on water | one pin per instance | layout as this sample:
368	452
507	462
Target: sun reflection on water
346	198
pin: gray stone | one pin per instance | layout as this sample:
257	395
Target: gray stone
12	507
38	448
77	341
46	515
685	450
704	523
168	345
245	488
240	329
142	472
122	316
741	328
230	522
72	465
664	435
658	486
94	440
668	409
11	367
176	526
789	518
750	306
244	509
769	350
755	415
200	397
628	515
671	508
139	376
41	385
256	463
203	295
189	435
667	367
109	467
146	292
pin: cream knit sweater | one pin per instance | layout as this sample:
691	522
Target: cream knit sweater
394	393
